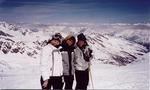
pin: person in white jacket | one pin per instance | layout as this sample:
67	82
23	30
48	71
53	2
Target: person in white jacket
67	50
51	64
83	55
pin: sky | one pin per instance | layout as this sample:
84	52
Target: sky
75	11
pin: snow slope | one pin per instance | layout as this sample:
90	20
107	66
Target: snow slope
133	76
24	74
19	72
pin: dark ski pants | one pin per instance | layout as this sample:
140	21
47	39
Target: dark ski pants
68	81
82	79
55	82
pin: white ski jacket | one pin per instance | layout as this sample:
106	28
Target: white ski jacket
80	62
51	62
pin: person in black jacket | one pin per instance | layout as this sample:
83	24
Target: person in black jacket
68	60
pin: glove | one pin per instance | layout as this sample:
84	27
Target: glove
87	54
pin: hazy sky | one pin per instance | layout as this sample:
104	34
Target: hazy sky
99	11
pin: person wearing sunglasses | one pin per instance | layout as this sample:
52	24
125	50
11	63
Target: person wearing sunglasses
51	64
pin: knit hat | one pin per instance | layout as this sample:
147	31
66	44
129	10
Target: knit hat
82	37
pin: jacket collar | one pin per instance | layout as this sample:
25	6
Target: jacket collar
79	48
50	45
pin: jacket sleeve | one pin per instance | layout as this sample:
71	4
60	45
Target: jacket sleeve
91	53
88	53
46	63
74	58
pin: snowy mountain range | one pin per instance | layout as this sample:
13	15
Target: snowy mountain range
117	44
113	45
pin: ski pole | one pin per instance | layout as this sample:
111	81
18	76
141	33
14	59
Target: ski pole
91	77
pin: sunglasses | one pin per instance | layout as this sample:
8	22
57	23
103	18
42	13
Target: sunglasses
57	36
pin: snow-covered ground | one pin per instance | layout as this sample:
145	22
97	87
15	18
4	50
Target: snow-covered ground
19	72
133	76
25	74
